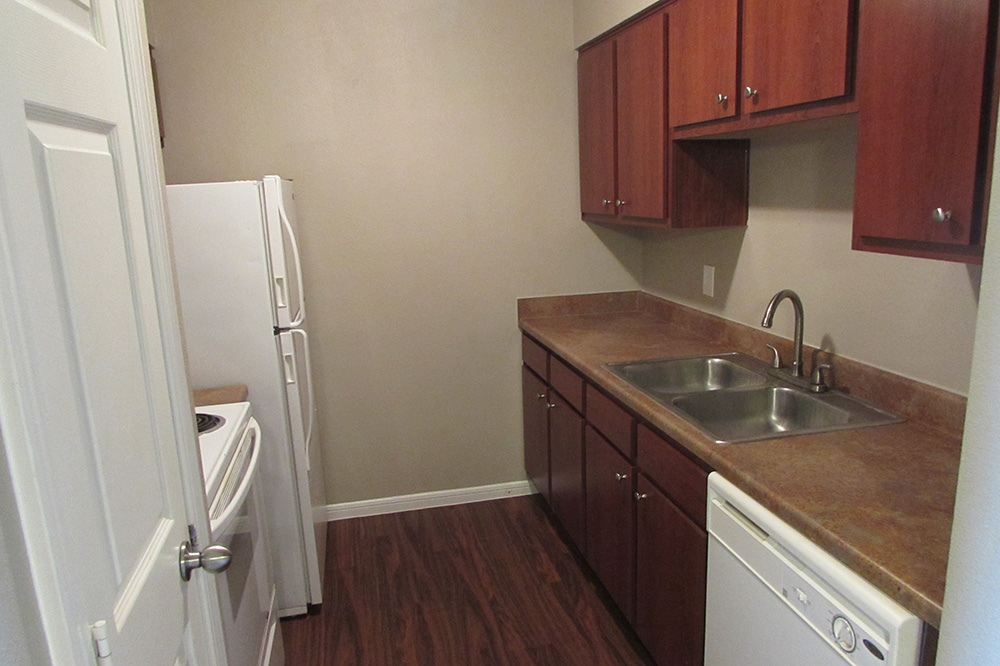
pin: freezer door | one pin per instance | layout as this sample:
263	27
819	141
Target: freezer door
294	348
286	267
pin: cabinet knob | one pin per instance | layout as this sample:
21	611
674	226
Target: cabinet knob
940	215
620	477
749	92
606	202
540	396
619	203
641	496
721	99
550	405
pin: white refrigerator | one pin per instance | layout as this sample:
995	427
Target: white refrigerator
240	283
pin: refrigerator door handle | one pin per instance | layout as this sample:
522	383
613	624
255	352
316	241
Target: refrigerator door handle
298	264
310	394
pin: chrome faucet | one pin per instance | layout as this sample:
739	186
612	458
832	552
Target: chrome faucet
796	369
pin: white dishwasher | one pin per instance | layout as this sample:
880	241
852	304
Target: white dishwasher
774	598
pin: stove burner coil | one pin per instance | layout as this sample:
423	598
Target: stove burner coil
208	422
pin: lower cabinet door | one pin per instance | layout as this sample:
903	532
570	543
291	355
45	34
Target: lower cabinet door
610	523
534	396
671	556
566	468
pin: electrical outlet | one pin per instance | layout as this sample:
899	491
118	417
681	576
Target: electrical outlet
708	281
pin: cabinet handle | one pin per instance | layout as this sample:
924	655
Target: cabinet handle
540	396
620	477
749	92
606	202
619	203
550	405
641	496
940	215
721	99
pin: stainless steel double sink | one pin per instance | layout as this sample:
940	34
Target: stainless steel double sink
732	398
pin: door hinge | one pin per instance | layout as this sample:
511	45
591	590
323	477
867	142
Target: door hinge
102	647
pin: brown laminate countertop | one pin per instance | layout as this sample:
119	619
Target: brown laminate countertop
220	395
879	499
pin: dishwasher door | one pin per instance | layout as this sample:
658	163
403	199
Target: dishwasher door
776	599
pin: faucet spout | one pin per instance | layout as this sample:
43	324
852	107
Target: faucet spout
796	369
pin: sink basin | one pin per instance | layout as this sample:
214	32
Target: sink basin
689	374
760	413
736	398
742	416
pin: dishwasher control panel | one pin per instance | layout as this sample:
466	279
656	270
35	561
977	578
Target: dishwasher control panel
845	614
842	625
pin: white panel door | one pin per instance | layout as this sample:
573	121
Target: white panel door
89	427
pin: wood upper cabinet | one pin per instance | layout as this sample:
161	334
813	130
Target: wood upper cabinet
622	115
596	89
671	561
925	127
610	523
795	51
534	397
703	56
791	52
642	120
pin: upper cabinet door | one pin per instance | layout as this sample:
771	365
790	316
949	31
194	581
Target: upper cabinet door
795	51
922	121
642	122
596	84
703	56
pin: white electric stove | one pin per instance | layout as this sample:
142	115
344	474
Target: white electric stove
230	443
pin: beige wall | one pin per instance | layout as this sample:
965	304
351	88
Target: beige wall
434	152
592	17
914	317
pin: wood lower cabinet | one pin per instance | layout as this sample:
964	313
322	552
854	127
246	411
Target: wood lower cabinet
534	398
671	556
610	520
927	105
566	469
628	498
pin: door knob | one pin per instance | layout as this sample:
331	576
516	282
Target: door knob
214	559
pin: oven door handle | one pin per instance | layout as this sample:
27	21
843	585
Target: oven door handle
221	524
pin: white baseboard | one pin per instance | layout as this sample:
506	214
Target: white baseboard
378	507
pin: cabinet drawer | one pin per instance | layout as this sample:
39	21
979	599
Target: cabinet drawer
535	357
611	420
683	480
565	380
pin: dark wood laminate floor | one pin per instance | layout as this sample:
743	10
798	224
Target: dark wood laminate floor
478	584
